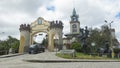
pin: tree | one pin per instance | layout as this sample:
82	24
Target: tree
99	37
9	43
117	52
13	42
76	46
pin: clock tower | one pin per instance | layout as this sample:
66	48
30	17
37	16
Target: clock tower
74	23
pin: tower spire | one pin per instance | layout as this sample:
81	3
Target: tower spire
74	11
74	16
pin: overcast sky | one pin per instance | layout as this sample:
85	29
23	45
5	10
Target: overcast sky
92	13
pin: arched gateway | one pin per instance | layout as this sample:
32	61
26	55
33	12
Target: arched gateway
40	25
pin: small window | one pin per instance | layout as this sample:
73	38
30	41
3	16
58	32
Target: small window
39	21
74	26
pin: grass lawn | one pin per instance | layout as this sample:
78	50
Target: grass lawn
80	56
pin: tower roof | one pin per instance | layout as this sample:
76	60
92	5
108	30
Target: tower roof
74	12
74	17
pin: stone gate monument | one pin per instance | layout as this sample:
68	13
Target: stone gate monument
27	31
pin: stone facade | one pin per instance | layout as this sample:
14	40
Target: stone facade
24	37
56	27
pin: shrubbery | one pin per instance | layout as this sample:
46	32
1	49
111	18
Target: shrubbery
76	46
117	52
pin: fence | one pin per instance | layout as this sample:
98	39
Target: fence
116	55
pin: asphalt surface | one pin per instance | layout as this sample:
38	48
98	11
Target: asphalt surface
21	61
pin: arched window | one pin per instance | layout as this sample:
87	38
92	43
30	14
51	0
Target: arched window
74	26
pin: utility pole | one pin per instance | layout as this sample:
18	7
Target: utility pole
111	43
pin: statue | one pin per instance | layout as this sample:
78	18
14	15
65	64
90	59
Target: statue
83	37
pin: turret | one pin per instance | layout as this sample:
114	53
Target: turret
56	28
24	38
56	24
24	27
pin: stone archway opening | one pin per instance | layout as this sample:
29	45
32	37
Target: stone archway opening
41	38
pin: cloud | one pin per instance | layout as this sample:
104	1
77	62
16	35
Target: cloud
92	13
16	12
50	8
27	6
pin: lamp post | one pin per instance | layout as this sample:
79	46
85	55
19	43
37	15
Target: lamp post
93	45
109	25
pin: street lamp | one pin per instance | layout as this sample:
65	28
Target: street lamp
109	25
93	45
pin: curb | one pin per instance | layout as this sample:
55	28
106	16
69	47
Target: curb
60	61
12	55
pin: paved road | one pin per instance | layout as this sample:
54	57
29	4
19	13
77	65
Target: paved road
17	62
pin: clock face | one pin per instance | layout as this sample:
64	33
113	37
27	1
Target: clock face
74	18
39	21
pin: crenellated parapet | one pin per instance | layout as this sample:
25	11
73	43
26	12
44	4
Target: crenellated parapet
56	24
25	27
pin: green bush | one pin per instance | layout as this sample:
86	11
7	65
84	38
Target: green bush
76	46
116	50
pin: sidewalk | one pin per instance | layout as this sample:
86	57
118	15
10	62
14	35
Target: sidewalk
50	57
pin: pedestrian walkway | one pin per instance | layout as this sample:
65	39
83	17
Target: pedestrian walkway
44	56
